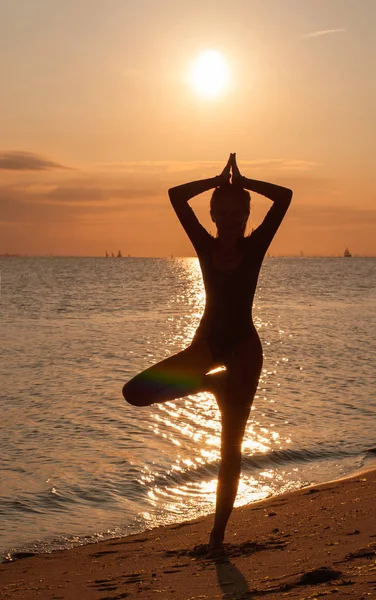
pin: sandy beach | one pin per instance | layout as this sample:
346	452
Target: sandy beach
316	542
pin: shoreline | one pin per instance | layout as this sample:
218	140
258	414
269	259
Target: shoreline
320	538
51	545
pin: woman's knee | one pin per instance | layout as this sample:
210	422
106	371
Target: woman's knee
230	465
134	394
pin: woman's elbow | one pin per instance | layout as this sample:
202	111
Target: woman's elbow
172	194
289	194
175	196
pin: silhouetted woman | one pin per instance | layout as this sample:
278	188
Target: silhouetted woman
226	335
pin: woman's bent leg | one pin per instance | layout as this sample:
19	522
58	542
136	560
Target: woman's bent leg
235	401
177	376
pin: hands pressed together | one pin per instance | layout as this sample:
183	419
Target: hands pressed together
231	170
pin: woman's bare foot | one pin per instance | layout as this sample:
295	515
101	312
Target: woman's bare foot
216	544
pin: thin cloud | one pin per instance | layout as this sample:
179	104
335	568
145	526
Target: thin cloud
23	206
313	216
27	161
96	193
168	167
322	32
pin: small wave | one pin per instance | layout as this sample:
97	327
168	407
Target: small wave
281	457
273	458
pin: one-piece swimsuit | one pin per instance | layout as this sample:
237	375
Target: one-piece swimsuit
227	317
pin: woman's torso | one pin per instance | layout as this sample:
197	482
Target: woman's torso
227	316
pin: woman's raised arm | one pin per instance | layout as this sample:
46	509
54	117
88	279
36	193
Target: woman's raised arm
281	198
276	193
181	194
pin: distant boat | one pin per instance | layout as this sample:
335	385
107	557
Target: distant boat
347	253
119	254
112	255
106	254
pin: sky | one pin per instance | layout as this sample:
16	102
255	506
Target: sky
98	119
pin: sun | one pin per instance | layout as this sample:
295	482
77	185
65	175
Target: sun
209	74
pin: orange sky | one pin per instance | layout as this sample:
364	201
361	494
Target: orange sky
97	121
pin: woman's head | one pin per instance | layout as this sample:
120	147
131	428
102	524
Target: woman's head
229	209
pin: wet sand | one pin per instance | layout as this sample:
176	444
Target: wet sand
317	542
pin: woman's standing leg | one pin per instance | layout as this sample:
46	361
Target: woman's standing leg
233	427
234	401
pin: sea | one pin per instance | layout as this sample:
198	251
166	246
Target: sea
78	464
